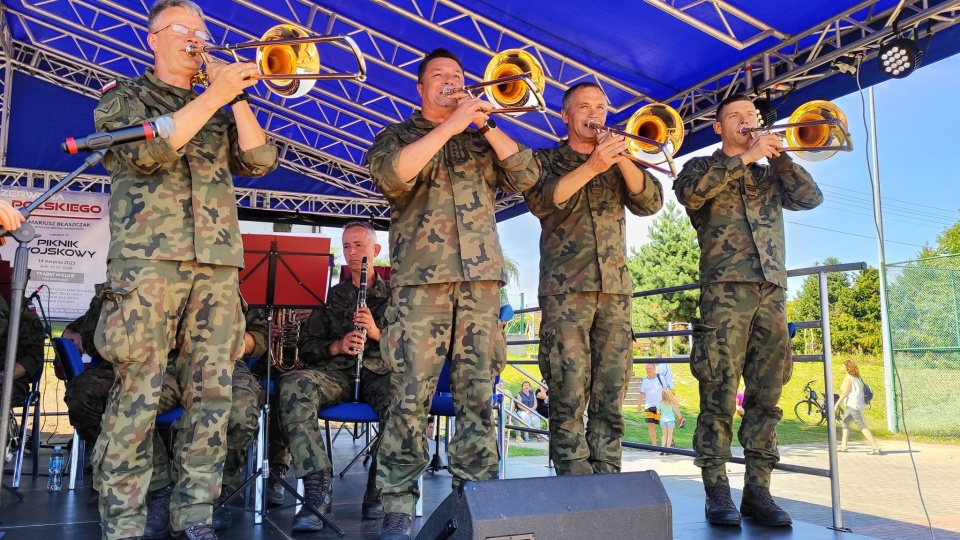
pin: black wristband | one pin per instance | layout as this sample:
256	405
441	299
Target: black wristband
242	96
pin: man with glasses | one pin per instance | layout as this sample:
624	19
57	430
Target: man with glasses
586	338
172	271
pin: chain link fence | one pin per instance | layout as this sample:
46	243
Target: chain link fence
923	300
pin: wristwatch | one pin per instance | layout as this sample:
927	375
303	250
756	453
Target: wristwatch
489	125
242	96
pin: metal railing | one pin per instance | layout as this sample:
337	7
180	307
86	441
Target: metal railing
832	472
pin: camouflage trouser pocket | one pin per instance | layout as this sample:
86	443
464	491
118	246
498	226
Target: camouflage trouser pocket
391	343
548	341
704	356
788	365
498	352
118	321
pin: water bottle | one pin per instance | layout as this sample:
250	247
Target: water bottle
55	481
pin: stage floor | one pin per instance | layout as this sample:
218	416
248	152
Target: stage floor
70	515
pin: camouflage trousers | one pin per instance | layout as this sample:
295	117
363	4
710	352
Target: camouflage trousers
742	331
86	399
149	308
587	360
425	325
243	422
304	392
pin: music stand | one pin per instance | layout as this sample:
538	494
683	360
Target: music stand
289	272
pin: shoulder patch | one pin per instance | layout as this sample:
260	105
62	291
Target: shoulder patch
109	109
109	86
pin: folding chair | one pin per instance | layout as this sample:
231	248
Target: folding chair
357	413
32	399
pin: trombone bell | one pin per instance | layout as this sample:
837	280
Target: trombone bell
659	123
287	58
506	89
284	58
817	125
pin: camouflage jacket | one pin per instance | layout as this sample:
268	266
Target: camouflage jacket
737	211
174	204
583	240
334	320
442	224
30	341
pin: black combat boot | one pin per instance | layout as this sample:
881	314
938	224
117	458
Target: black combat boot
396	526
222	517
318	491
275	488
759	505
197	532
372	498
158	514
719	507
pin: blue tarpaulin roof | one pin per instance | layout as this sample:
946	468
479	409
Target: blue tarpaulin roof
687	53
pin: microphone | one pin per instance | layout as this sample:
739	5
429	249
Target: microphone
162	127
36	293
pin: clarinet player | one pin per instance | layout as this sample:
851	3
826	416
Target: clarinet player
336	337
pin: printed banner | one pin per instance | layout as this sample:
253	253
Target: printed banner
69	255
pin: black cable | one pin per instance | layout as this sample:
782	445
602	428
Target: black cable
916	474
896	373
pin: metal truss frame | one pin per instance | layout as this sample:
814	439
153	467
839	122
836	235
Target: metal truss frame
805	58
325	135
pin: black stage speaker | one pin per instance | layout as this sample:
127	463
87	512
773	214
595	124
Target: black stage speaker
609	506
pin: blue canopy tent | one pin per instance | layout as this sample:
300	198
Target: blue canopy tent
55	56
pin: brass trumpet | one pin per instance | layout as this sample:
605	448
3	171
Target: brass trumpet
513	82
653	130
815	131
287	58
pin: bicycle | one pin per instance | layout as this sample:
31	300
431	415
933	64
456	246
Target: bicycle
811	411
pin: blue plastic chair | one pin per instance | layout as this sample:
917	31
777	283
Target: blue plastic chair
71	362
353	412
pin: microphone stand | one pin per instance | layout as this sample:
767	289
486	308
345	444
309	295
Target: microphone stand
24	235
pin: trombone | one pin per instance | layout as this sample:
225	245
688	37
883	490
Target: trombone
655	129
815	131
513	82
287	58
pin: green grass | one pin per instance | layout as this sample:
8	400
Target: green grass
523	451
789	431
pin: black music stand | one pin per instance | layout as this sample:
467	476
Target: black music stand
282	271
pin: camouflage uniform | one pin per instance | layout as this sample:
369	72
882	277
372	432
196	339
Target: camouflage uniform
446	275
86	397
586	356
737	211
30	340
172	278
328	380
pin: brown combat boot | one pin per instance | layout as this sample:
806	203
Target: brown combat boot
318	491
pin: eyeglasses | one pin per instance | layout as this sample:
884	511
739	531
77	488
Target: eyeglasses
182	30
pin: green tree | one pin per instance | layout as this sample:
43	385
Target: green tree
948	242
854	312
670	258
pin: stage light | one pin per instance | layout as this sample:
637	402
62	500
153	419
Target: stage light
899	57
766	113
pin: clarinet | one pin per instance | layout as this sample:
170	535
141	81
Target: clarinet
361	303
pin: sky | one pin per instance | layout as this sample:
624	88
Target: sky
918	127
